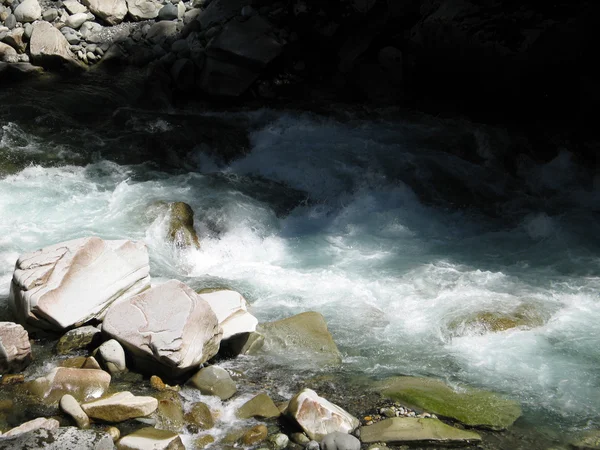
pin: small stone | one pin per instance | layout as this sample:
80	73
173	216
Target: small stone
28	11
279	441
255	435
157	383
299	438
114	433
50	15
111	353
77	339
76	20
312	445
10	22
214	380
10	379
200	416
340	441
40	422
167	12
151	438
71	407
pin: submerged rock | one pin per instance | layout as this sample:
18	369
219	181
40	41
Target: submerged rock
73	282
472	407
413	430
303	337
120	406
318	417
200	417
168	328
179	217
59	439
260	406
15	349
170	411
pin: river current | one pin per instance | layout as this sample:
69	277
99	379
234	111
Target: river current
424	254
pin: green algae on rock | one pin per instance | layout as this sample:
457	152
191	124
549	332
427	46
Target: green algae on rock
410	429
472	407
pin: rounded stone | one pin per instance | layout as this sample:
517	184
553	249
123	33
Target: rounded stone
214	380
255	435
200	416
279	441
71	407
340	441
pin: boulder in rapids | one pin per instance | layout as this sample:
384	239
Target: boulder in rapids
70	283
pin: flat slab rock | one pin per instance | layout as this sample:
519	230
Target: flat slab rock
40	422
472	407
59	439
73	282
318	416
83	384
15	349
151	438
412	430
120	407
169	326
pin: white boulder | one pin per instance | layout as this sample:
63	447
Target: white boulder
231	309
111	11
169	324
28	11
73	282
15	349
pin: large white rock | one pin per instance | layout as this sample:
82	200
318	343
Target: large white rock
28	11
231	309
169	324
70	283
111	11
318	417
15	349
120	406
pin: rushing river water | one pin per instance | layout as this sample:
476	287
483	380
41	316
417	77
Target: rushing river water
405	233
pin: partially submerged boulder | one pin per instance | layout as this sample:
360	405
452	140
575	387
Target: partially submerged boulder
259	406
168	328
83	384
179	218
302	339
472	407
412	431
15	349
318	417
120	407
70	283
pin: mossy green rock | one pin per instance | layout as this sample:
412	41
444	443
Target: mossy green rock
588	441
259	406
170	411
472	407
180	222
412	430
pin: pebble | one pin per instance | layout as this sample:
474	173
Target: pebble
114	433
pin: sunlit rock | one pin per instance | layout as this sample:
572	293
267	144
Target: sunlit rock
318	417
260	406
15	349
40	422
151	438
472	407
412	430
120	407
28	11
73	282
168	328
77	339
231	309
214	380
50	49
83	384
59	439
111	11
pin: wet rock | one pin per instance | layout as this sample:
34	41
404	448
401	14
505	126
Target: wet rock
260	406
255	435
77	339
70	283
176	339
524	316
231	309
50	15
59	439
214	380
413	430
11	379
318	417
143	9
340	441
300	439
168	12
112	356
180	229
279	441
120	406
40	422
303	337
83	384
200	416
204	441
71	407
588	441
472	407
113	432
170	412
237	55
151	438
28	11
15	349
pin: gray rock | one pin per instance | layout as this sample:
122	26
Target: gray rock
76	20
143	9
28	27
110	354
111	11
168	12
175	340
10	22
191	15
74	7
180	46
15	350
214	380
161	31
50	15
40	422
312	445
59	439
279	441
90	29
15	38
28	11
340	441
151	438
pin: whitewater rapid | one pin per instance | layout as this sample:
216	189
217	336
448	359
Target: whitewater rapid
385	227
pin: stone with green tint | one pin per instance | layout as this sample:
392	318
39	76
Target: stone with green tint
588	441
259	406
413	430
472	407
